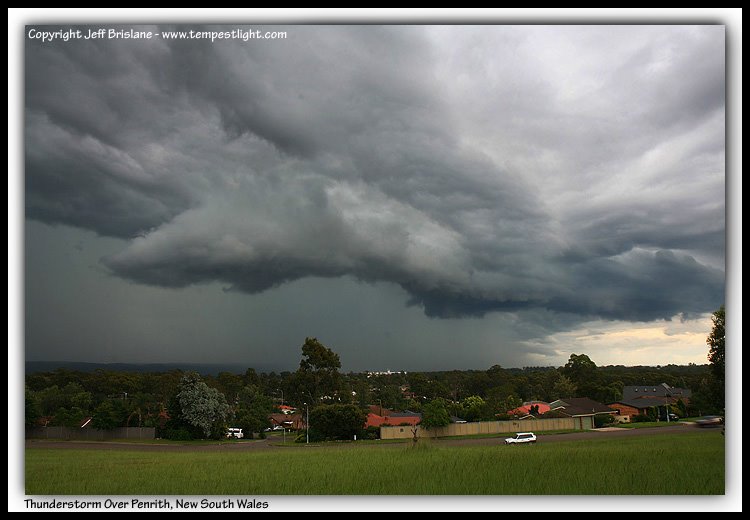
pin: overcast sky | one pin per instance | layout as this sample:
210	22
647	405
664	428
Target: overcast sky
416	197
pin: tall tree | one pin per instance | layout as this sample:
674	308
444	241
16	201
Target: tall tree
579	368
318	375
202	406
715	343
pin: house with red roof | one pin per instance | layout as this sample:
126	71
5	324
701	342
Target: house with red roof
525	410
379	416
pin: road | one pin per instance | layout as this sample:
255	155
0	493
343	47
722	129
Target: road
273	443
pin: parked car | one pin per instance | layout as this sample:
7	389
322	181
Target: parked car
276	428
521	438
710	421
235	433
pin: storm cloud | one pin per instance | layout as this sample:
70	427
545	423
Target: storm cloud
578	170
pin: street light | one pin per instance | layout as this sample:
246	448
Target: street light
282	395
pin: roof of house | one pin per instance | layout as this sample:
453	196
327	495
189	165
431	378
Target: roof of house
525	409
392	420
405	413
660	390
642	402
575	406
292	420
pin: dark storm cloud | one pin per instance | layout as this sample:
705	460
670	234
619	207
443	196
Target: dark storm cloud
478	181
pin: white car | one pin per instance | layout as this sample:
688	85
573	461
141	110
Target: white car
235	433
521	438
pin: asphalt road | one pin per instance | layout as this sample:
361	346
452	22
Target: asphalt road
272	443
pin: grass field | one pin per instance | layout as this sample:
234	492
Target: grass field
685	464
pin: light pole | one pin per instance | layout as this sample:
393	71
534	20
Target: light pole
282	396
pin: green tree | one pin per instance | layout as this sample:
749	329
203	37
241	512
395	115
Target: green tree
253	410
579	368
511	402
337	421
32	408
474	408
564	387
139	406
70	417
107	415
715	342
318	375
435	414
202	406
389	395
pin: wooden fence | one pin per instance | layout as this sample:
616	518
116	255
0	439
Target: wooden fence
477	428
90	434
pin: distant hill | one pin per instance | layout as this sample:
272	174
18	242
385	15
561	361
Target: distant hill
202	368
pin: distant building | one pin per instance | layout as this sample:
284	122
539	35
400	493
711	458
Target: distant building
662	390
386	373
580	407
639	399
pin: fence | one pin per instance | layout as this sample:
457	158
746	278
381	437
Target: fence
90	434
477	428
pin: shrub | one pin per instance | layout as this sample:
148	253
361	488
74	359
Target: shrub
640	418
179	434
603	420
336	421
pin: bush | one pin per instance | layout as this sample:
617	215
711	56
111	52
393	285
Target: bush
640	418
603	420
336	422
315	436
177	435
371	433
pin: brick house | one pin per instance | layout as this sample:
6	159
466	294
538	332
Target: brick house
638	399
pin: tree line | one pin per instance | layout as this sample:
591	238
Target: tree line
188	405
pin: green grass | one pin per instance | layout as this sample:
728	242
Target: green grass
685	464
654	424
504	435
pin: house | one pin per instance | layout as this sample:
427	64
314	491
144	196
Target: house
391	418
287	410
638	406
294	421
662	391
638	399
580	407
524	411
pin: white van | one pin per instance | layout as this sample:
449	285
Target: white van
235	433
